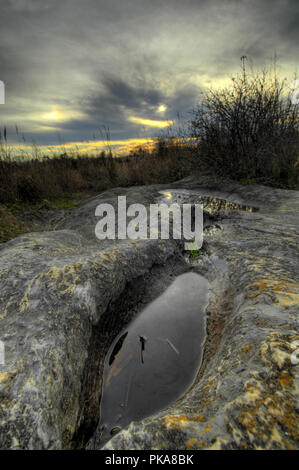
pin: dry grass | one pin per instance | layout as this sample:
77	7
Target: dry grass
57	183
51	178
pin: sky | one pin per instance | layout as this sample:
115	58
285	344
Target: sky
73	69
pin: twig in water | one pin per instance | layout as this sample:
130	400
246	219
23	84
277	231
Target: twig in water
172	346
142	340
127	392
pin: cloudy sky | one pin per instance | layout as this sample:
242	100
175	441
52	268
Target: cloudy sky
71	67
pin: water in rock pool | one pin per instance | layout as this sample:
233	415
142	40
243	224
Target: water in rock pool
156	358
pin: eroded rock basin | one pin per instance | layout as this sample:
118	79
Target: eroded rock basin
64	297
156	358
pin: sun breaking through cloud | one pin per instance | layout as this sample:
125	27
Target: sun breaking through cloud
162	108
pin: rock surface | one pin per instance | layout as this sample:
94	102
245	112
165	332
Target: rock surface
60	289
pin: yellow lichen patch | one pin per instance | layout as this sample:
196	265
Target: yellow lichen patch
249	421
8	304
289	421
208	385
192	443
267	411
276	349
182	421
284	291
24	303
114	253
280	287
261	285
284	416
66	276
218	444
235	432
199	418
105	256
288	299
55	273
176	422
256	288
15	443
246	349
280	357
253	392
286	380
276	436
4	377
206	428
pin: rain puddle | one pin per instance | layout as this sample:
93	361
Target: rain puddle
156	358
210	204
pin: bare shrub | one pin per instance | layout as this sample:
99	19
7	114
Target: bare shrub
250	130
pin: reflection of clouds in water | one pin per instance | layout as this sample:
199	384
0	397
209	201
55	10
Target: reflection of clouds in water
159	354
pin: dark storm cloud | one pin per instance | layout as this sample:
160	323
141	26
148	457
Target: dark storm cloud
124	94
119	97
184	99
101	62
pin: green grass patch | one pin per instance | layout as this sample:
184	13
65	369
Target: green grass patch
193	250
59	203
63	203
11	223
10	226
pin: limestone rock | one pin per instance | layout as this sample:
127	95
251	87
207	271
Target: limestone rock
59	289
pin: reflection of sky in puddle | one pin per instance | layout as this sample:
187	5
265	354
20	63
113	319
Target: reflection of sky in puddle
180	196
156	359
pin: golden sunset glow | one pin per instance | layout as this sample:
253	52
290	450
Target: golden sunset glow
119	147
150	122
